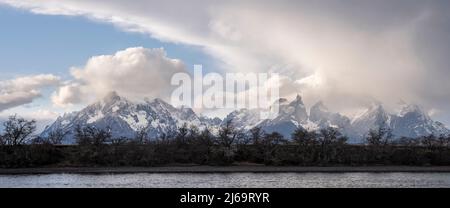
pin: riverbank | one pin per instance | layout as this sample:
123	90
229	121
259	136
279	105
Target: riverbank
223	169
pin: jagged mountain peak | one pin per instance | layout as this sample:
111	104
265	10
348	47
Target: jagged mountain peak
413	121
374	117
319	106
111	97
374	111
410	108
243	118
319	112
112	103
186	109
321	115
280	101
158	101
125	117
298	101
161	105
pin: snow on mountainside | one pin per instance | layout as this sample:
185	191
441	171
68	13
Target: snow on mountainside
125	118
292	115
373	118
411	121
159	118
244	119
320	115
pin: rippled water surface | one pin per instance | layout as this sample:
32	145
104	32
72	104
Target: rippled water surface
253	180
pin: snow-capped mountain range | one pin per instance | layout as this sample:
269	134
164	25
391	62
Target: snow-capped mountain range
124	118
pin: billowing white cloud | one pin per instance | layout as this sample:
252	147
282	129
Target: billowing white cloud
134	72
24	90
67	95
359	50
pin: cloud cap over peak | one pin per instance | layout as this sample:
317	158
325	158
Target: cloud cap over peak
329	50
134	72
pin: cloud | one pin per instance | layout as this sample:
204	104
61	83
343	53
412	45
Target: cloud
359	50
134	72
10	100
24	90
67	95
42	114
27	83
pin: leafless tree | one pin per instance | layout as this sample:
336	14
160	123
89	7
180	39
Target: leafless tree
430	141
2	140
118	141
331	136
141	136
193	134
271	143
379	137
304	138
17	131
443	140
91	135
256	135
182	134
56	137
272	140
227	134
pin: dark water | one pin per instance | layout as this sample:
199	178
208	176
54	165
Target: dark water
253	180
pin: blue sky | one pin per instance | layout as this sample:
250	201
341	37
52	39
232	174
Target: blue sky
348	54
32	43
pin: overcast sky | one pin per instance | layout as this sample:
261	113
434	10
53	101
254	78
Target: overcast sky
59	54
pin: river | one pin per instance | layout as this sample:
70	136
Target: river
228	180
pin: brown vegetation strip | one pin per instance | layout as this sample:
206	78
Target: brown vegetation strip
223	169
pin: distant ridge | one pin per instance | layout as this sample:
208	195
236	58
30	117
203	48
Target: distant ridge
157	117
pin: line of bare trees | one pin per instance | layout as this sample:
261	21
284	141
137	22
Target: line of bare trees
190	145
